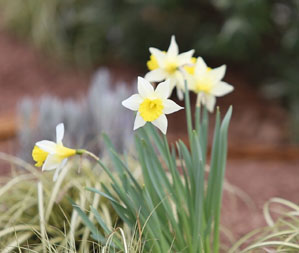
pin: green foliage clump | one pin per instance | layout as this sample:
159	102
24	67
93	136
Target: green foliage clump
172	208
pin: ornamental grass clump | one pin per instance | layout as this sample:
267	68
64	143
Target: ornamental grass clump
37	215
281	233
173	208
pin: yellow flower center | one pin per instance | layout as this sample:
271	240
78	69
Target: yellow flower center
190	68
152	64
203	87
64	152
171	67
204	84
39	156
151	109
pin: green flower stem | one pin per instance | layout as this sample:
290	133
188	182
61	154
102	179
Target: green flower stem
197	118
205	132
86	152
188	112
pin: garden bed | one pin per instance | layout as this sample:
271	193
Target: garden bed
259	148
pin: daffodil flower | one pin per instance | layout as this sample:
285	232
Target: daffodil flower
51	155
168	65
151	104
152	63
190	67
208	84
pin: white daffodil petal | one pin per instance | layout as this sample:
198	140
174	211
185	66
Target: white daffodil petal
218	73
56	174
172	83
198	99
200	67
47	146
170	106
221	89
210	101
59	168
163	89
145	89
139	121
156	75
185	58
179	78
191	83
132	102
159	55
59	132
179	93
52	162
173	49
161	123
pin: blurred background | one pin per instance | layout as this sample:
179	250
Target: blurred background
73	60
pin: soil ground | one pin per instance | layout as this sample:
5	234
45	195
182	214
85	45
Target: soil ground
261	161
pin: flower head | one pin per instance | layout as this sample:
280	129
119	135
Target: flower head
151	104
190	67
167	65
208	84
152	63
51	155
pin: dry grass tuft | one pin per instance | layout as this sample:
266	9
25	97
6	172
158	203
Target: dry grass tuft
281	233
36	213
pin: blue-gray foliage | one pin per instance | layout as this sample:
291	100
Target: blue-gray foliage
85	120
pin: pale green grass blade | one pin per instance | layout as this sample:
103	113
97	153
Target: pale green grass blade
291	246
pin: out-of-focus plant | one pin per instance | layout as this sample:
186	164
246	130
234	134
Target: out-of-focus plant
263	34
281	233
85	120
85	30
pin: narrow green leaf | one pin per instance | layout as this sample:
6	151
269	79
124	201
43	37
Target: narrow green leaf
100	220
219	187
102	194
95	232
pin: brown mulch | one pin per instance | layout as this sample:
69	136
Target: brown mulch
264	163
260	180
